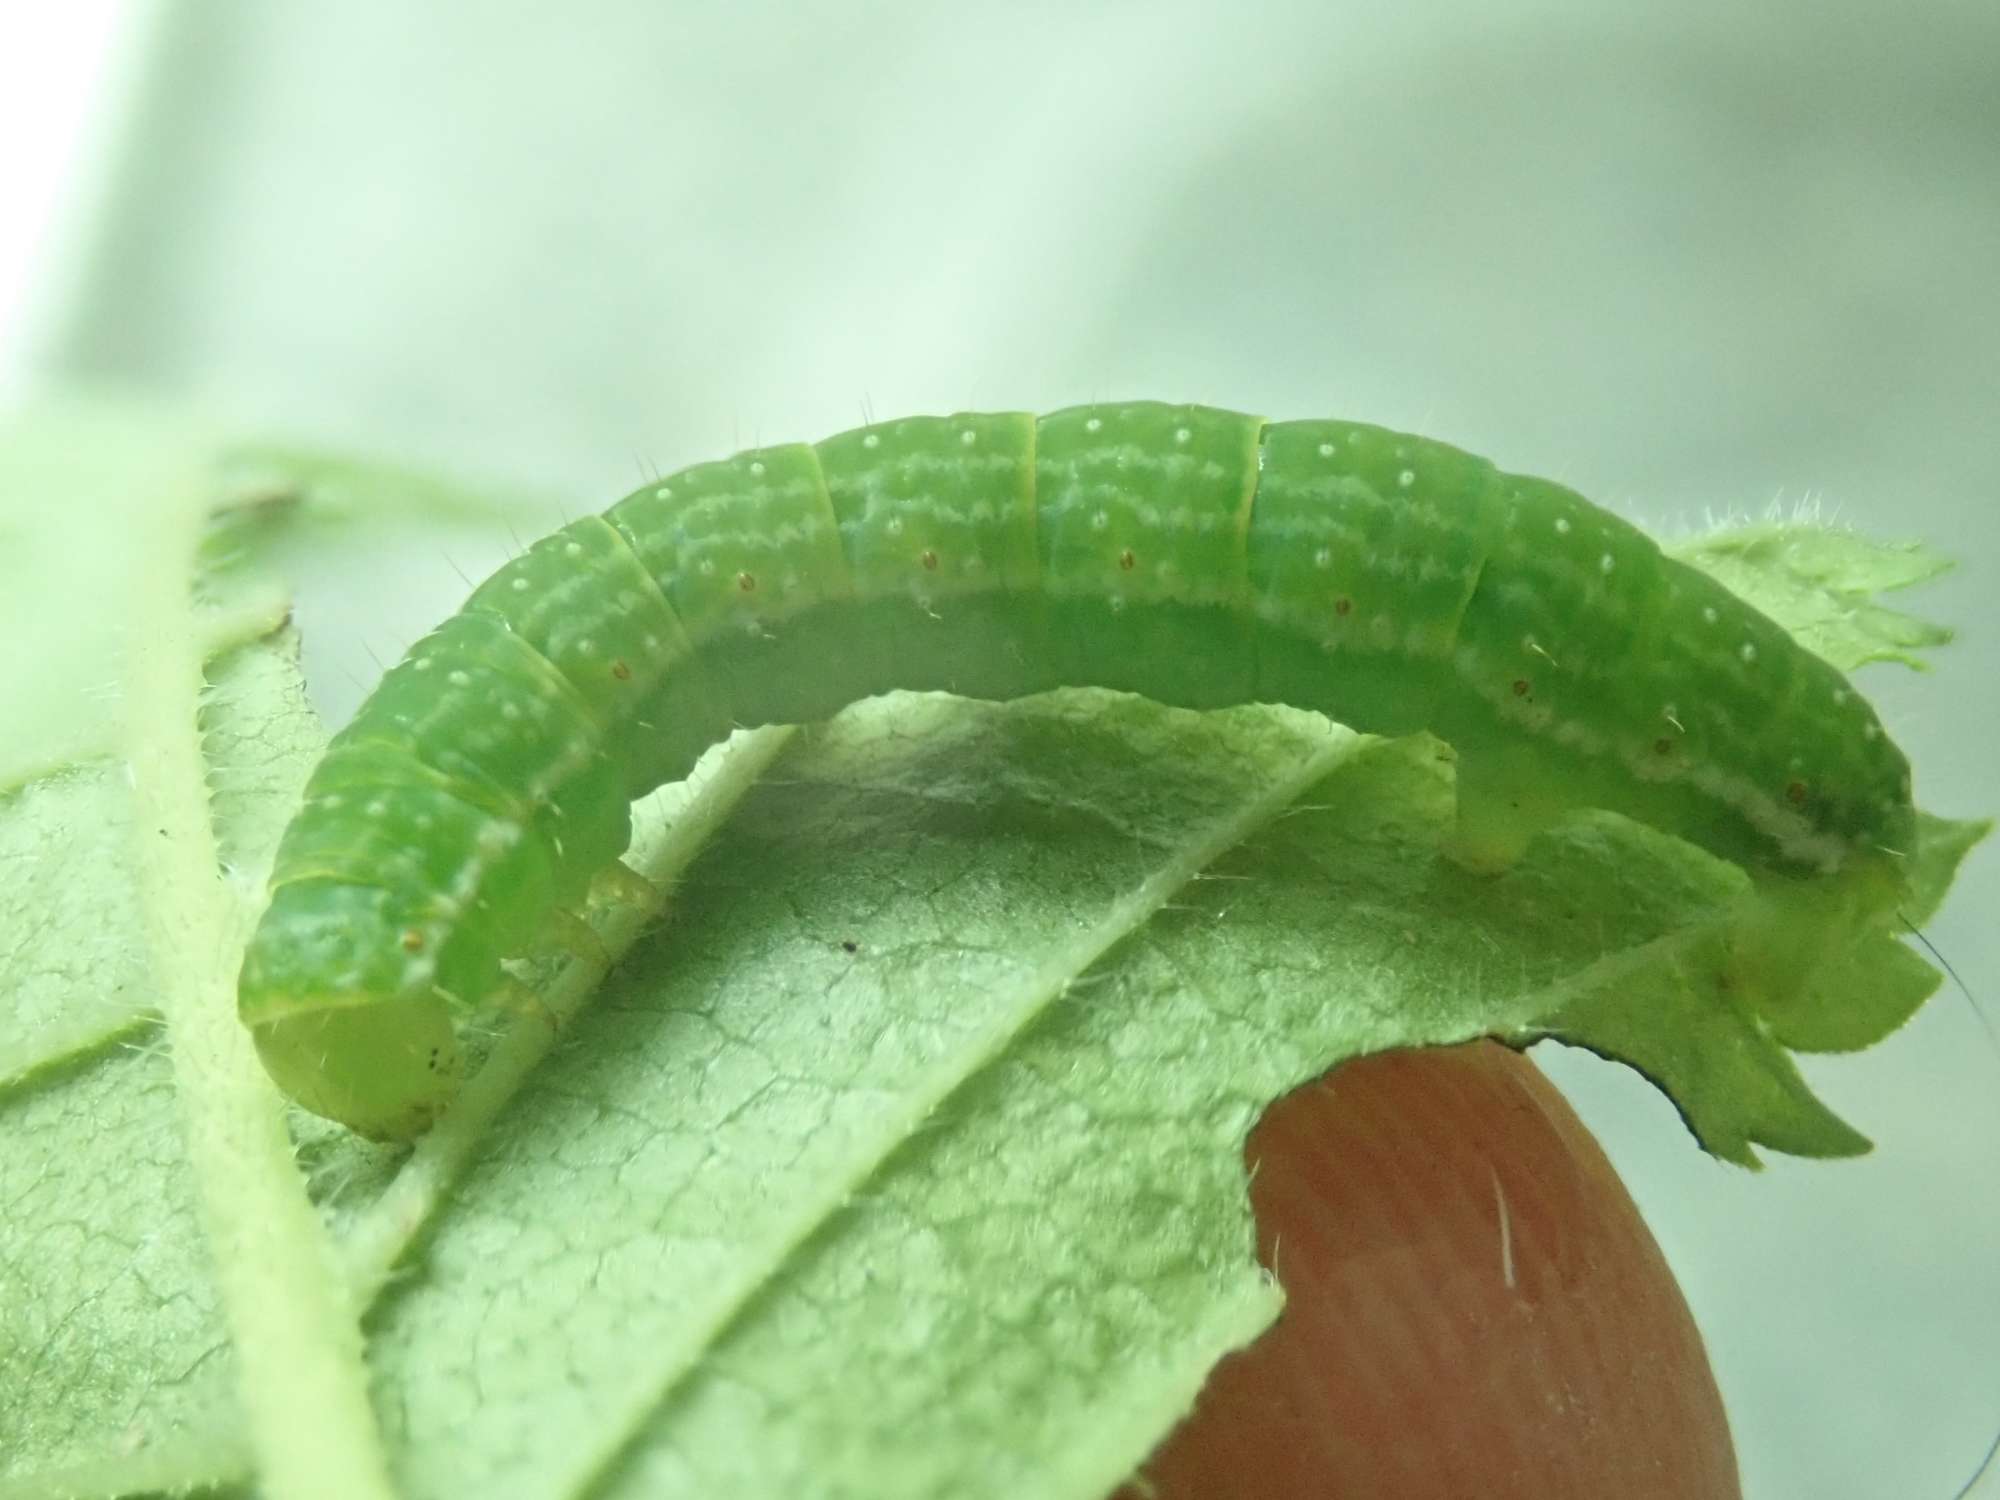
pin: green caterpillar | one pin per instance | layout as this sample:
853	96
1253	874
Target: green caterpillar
1196	556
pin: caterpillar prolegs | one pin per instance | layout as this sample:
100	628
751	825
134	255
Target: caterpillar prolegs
1197	556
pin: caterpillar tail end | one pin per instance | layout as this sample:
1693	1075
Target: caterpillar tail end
350	1026
1787	928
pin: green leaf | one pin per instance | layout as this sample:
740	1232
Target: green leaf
1942	844
900	1154
117	1366
72	968
1820	582
65	792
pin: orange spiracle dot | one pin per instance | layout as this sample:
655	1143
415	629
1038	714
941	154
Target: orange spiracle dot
929	560
413	940
1522	687
1343	606
1127	561
622	672
745	582
1795	793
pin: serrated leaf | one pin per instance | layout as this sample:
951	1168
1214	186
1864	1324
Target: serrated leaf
1942	845
1672	1018
902	1156
1821	583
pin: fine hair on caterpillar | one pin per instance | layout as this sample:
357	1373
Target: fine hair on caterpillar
1199	557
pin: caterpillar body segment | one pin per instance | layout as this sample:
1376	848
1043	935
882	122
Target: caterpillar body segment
1197	556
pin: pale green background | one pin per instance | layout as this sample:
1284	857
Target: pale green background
1684	258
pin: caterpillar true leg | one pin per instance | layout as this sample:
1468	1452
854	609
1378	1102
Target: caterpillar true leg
519	1002
618	881
570	934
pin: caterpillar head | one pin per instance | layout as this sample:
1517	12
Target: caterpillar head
349	1021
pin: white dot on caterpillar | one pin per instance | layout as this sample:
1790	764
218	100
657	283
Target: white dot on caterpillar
1708	613
1116	604
421	664
520	585
1326	450
1562	525
1606	563
757	469
1840	696
894	526
1099	521
573	549
510	711
664	492
376	809
1747	651
707	567
1323	558
1093	424
1870	732
1182	435
457	677
1407	478
968	437
871	440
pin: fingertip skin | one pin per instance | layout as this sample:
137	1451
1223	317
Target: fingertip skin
1198	556
1474	1307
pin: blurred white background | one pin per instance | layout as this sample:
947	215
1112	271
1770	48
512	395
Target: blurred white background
57	93
1687	259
